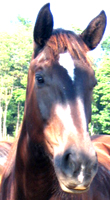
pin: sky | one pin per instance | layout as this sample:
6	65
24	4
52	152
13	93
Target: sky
68	13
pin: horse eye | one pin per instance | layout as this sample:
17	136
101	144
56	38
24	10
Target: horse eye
93	83
39	78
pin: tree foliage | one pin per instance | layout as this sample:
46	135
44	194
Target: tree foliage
15	55
101	103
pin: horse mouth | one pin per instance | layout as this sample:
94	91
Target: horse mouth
70	189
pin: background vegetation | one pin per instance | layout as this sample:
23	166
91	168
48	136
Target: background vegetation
15	56
101	96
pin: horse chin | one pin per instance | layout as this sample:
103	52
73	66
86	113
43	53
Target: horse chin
78	189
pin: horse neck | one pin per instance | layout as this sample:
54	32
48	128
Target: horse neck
33	169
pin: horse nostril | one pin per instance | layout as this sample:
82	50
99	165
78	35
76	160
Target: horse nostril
69	165
70	161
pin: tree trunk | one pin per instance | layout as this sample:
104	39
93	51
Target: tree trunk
0	120
17	124
5	114
7	101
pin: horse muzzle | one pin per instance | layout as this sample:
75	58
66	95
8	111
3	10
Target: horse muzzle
75	170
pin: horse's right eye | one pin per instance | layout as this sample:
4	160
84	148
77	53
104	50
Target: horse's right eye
39	78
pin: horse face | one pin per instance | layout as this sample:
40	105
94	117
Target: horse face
59	91
64	105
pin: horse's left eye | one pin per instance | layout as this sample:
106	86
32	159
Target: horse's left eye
39	78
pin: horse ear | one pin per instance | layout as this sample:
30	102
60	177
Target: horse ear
94	31
43	26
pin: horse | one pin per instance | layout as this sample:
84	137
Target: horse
54	157
102	147
5	147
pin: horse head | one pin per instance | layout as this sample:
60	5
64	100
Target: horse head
58	100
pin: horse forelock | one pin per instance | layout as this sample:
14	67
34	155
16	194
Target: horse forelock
62	41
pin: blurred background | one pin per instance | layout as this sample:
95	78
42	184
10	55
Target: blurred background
17	20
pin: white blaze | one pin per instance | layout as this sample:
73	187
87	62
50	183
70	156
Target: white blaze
64	114
81	111
67	62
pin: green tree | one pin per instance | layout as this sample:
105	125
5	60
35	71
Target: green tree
101	103
15	56
77	30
